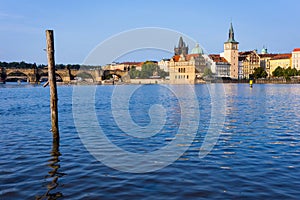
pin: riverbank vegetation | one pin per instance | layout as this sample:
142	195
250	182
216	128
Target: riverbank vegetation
149	69
285	72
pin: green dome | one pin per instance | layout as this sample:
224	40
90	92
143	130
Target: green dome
264	51
197	50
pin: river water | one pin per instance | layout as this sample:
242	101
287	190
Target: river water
256	155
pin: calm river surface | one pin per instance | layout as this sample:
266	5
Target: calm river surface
257	155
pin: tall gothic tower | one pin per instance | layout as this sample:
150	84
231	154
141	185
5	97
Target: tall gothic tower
182	48
231	54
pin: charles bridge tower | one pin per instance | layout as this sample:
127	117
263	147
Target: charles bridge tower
182	48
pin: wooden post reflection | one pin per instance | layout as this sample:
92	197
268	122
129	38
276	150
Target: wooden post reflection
53	174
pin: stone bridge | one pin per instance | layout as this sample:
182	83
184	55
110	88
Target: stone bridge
65	75
29	73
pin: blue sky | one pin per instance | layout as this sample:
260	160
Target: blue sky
80	26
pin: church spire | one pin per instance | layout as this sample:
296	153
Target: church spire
231	34
180	44
182	48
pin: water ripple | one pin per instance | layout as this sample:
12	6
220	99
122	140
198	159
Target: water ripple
256	157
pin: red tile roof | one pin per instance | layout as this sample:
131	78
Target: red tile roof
176	58
218	58
282	56
296	49
270	55
133	63
189	56
244	53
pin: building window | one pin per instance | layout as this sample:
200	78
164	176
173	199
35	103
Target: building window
187	76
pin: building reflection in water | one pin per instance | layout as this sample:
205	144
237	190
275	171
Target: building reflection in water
53	174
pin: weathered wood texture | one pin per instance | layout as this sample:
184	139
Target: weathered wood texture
52	83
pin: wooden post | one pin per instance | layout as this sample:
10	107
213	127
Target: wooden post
52	82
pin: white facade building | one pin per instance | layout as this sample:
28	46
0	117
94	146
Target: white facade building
164	64
219	66
296	58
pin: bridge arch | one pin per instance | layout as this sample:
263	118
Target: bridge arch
120	74
16	75
27	72
59	78
85	76
43	76
63	75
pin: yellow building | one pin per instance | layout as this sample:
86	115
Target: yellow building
184	69
249	61
264	61
280	60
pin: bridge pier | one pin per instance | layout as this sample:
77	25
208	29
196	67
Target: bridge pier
64	74
32	78
66	79
98	78
126	78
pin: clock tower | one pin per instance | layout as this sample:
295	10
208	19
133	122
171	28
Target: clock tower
231	54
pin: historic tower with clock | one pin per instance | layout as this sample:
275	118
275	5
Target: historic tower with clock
231	54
